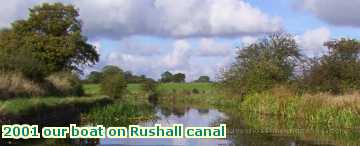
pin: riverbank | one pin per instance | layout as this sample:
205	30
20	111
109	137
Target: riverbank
313	117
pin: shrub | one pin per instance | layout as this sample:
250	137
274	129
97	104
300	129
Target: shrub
337	72
149	86
195	91
113	85
262	65
65	84
16	85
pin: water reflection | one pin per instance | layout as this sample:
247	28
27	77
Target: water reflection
189	117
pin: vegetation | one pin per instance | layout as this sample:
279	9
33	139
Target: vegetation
337	72
41	58
203	79
19	107
262	65
35	53
50	37
66	84
113	83
167	77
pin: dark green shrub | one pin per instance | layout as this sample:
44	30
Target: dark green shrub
195	91
337	72
149	86
113	85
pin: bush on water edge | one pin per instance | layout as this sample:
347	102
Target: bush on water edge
121	113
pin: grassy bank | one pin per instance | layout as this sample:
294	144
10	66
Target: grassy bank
130	109
25	106
316	111
322	117
18	107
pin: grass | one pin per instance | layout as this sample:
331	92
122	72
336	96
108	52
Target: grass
131	109
322	116
317	111
24	106
121	113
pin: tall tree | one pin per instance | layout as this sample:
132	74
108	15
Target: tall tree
203	79
179	78
263	64
51	35
166	77
337	71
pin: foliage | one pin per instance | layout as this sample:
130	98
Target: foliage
66	84
262	65
132	78
167	77
94	77
121	113
50	35
19	107
317	111
16	85
111	69
113	83
338	71
203	79
149	86
179	78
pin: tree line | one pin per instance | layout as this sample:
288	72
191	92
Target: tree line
276	60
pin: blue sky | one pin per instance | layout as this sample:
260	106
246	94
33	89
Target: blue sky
197	37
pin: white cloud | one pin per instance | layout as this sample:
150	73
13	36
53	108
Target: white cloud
131	45
179	57
312	41
211	47
337	12
164	18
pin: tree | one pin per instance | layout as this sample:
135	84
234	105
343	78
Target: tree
113	83
263	64
339	70
203	79
179	78
166	77
94	77
51	35
111	69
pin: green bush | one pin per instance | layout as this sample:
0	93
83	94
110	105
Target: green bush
114	85
65	84
149	86
337	72
262	65
195	91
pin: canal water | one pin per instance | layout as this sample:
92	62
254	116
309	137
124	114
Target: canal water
241	132
191	118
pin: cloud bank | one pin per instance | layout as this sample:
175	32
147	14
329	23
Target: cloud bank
336	12
163	18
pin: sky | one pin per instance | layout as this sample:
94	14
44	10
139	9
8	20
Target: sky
197	37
